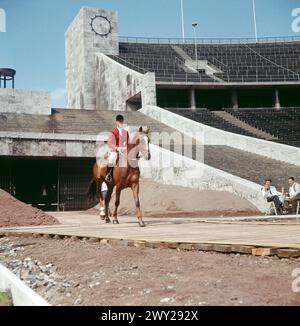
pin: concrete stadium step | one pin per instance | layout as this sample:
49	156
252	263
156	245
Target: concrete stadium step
246	165
250	166
76	121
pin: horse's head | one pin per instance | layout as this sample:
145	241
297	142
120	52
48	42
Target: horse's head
144	143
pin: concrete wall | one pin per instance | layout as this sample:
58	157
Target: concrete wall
74	59
22	295
213	136
81	46
186	172
164	167
24	101
115	84
48	145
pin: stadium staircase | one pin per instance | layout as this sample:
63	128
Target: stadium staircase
74	122
245	126
283	124
159	58
211	119
253	167
240	163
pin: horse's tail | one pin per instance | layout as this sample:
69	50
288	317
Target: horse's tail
92	190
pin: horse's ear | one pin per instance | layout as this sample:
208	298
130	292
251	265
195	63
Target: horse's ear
141	129
147	130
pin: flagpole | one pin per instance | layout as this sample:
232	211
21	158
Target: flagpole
182	22
254	18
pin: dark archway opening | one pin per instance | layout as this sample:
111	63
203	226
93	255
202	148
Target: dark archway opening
49	184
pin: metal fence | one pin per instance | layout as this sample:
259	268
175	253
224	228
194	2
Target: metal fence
153	40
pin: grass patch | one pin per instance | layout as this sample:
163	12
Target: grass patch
5	299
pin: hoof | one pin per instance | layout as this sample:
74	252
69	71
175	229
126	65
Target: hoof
116	222
142	224
102	217
107	221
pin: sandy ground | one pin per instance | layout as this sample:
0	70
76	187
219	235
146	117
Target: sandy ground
168	200
15	213
88	273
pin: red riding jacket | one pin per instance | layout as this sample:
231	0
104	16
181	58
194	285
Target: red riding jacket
117	140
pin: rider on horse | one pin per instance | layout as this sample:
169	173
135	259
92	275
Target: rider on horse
118	140
119	169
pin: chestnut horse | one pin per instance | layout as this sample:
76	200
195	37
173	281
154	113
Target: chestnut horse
125	176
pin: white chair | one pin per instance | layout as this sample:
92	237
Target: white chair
297	207
272	207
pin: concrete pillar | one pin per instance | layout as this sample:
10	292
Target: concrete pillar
276	99
234	100
193	98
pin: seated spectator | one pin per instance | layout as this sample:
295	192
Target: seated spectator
293	196
270	193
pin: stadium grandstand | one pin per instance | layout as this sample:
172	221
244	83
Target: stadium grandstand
251	78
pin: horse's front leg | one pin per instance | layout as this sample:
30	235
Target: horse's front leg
101	198
135	190
117	203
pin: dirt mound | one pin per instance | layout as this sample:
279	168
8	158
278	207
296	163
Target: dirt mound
15	213
167	200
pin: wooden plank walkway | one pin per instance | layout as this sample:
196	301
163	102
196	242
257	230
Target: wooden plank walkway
255	237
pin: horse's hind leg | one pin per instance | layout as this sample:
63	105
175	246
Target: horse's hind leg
107	200
135	189
117	203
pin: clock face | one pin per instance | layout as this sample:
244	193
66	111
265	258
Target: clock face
101	25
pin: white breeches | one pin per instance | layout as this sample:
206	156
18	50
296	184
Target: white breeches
112	158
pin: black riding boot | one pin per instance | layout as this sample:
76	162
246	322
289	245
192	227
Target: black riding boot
278	205
109	171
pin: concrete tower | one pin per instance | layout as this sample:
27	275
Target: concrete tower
92	31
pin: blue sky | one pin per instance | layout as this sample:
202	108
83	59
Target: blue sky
34	40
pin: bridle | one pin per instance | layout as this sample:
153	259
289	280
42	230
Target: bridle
145	153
